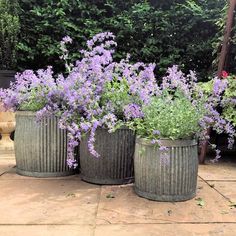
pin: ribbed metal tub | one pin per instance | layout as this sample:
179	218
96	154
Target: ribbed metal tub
115	164
40	149
174	179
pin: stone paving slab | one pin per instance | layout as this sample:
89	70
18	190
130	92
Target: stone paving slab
228	189
218	171
10	174
6	165
46	230
166	230
48	201
126	208
67	206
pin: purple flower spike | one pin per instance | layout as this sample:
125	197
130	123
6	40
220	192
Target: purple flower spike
163	148
156	132
133	111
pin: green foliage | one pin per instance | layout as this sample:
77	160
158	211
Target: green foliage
228	103
116	93
45	22
207	87
9	29
229	111
34	102
165	32
174	117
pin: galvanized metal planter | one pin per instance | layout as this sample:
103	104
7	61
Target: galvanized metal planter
40	149
166	176
115	164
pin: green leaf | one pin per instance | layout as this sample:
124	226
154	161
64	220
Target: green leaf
110	195
200	202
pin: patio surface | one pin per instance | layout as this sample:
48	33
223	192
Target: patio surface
69	206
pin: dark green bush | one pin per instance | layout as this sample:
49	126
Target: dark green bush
9	29
166	32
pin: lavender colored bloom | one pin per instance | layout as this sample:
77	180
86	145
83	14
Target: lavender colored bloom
156	132
67	39
29	91
72	163
217	157
133	111
163	148
85	127
154	141
219	86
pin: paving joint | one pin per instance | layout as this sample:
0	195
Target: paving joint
96	212
91	225
216	189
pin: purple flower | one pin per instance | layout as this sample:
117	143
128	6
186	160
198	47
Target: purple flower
154	141
67	39
219	86
29	91
156	132
163	148
217	157
133	111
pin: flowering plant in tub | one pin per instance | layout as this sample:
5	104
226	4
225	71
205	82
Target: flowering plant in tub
40	147
93	101
166	157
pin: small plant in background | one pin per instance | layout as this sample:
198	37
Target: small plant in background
229	100
9	29
220	93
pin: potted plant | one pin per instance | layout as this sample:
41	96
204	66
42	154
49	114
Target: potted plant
9	29
166	155
40	148
97	97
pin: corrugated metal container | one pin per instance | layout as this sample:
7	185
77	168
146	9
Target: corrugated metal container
115	164
166	175
40	149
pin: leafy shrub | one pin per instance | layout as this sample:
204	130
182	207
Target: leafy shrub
229	110
9	29
164	32
174	118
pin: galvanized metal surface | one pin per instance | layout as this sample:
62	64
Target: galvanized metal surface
115	164
40	149
168	175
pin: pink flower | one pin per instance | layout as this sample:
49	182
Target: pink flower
224	74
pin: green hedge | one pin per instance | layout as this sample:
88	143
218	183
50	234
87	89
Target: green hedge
166	32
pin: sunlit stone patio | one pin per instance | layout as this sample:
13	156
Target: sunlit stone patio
69	206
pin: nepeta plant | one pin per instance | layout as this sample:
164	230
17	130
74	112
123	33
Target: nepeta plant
181	109
97	92
170	116
30	90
